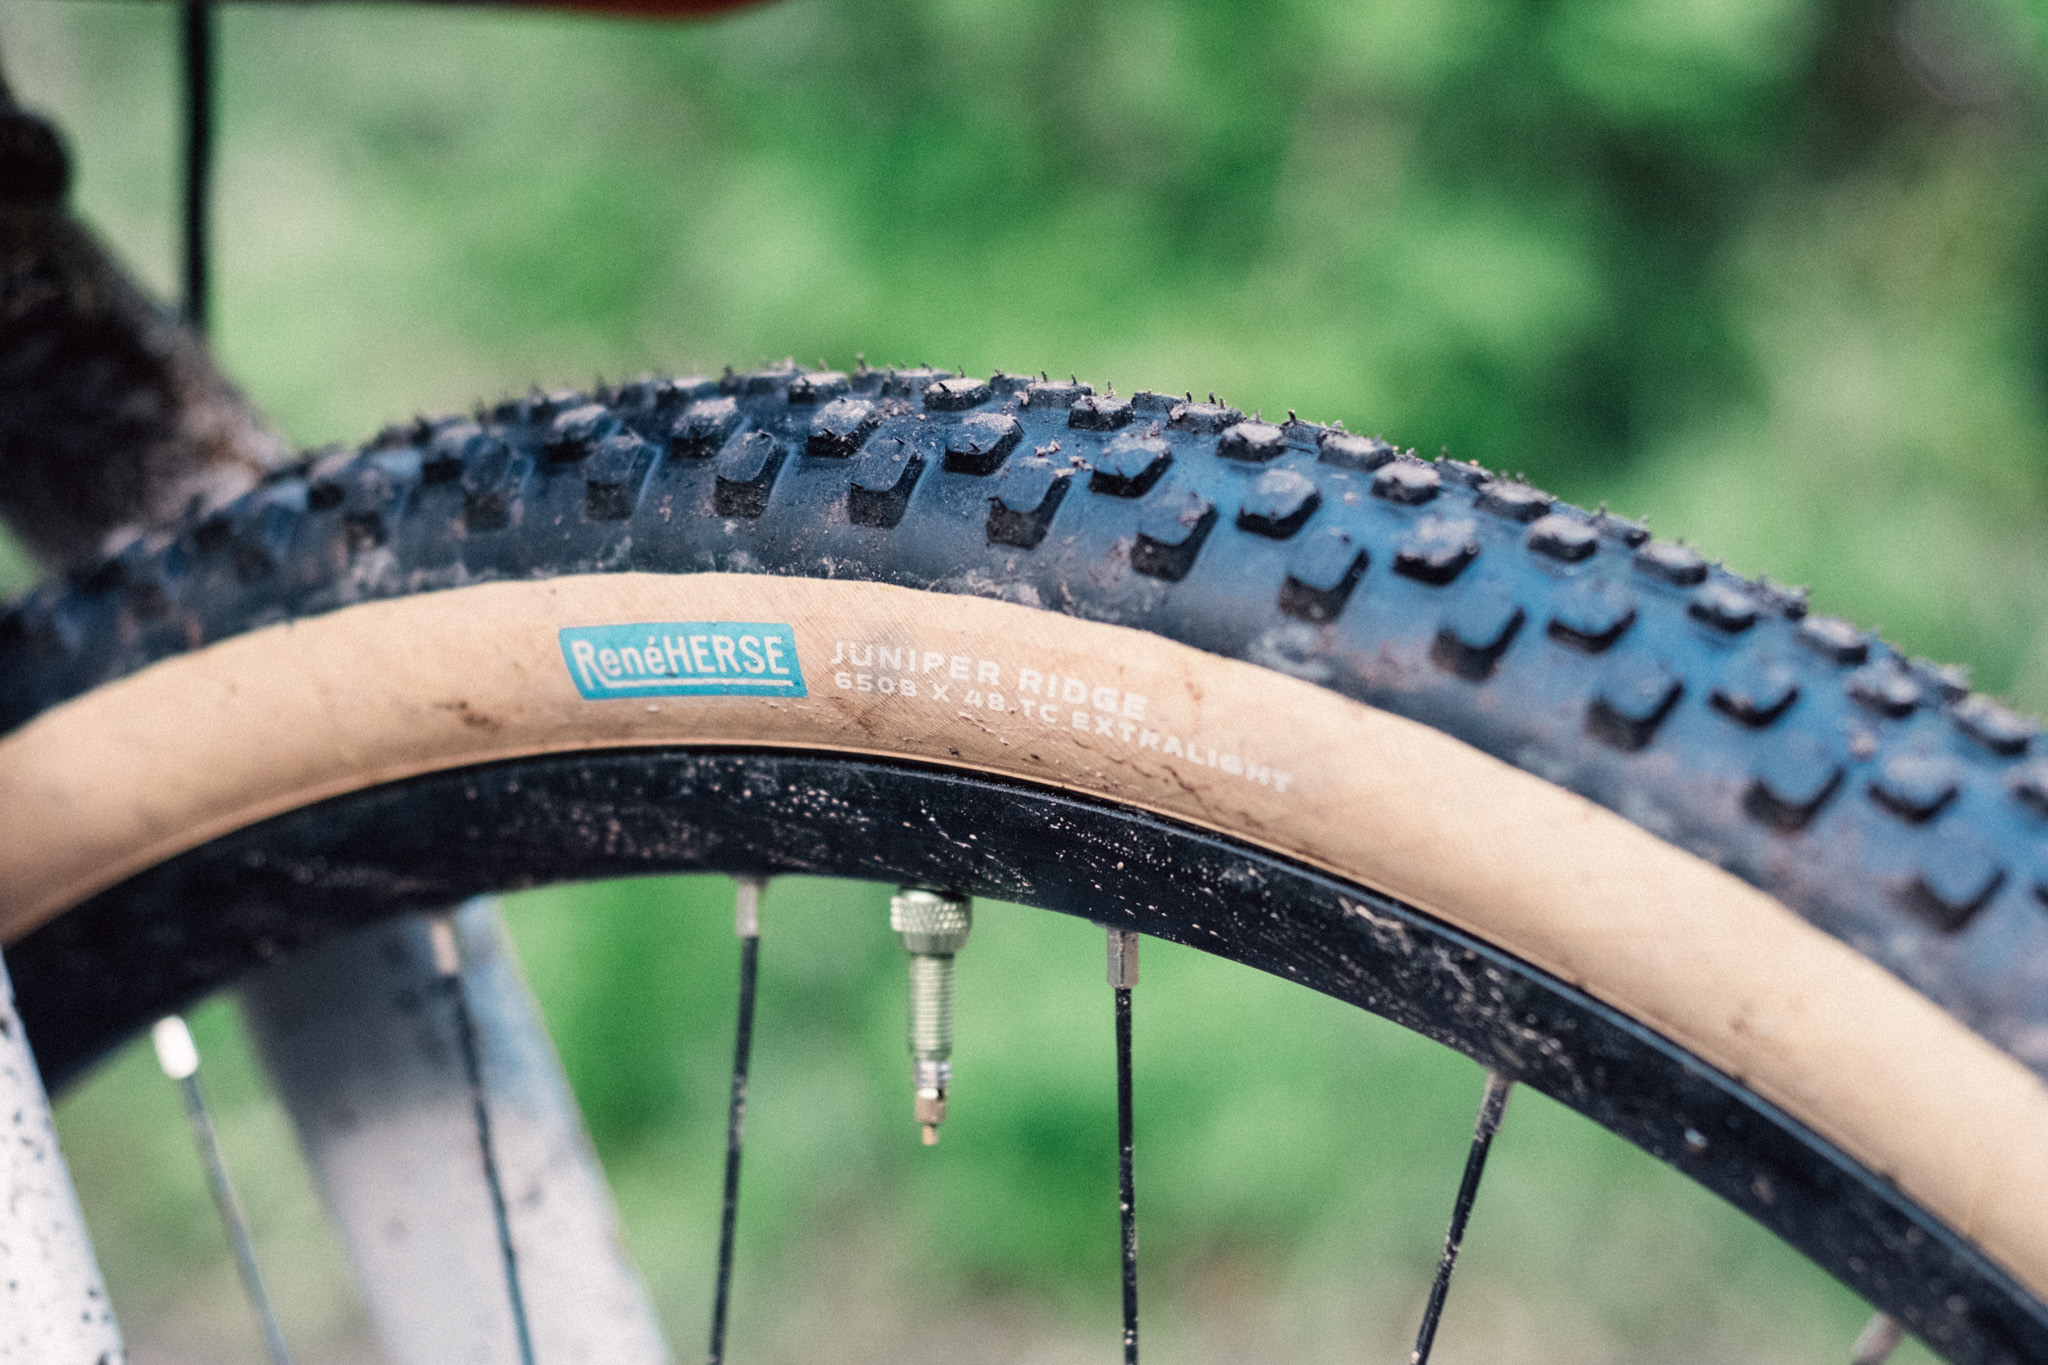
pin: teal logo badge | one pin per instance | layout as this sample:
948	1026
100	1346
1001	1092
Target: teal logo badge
683	659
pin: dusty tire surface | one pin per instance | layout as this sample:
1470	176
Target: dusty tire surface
1805	861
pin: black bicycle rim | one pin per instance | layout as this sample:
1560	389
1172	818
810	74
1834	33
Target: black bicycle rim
173	934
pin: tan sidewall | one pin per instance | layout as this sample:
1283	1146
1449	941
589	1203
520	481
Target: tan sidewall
194	747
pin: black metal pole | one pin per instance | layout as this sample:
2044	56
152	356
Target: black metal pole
179	1058
198	46
749	927
1492	1105
1127	1185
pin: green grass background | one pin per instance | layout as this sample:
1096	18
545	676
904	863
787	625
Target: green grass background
1768	272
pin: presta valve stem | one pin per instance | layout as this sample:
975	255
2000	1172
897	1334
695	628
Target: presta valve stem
933	926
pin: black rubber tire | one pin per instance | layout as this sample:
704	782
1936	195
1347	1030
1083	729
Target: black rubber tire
1864	790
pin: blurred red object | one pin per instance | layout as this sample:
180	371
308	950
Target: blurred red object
643	9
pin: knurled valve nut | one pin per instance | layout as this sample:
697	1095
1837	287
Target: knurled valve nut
930	923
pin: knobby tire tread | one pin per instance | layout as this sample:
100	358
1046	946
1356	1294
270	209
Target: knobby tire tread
1868	791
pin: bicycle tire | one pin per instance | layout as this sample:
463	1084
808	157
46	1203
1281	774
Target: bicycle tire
1490	722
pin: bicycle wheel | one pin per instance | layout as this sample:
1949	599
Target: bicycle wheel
1747	888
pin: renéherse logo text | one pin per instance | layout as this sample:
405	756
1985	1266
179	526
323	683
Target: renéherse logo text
683	658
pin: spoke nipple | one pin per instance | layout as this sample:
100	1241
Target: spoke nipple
176	1053
1123	958
447	952
747	906
1878	1339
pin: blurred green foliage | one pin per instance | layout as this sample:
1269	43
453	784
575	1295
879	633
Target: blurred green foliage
1769	272
1296	1160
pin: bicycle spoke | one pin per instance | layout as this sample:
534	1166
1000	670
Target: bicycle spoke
1878	1339
178	1055
360	1040
448	961
747	923
1123	974
198	55
1492	1105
